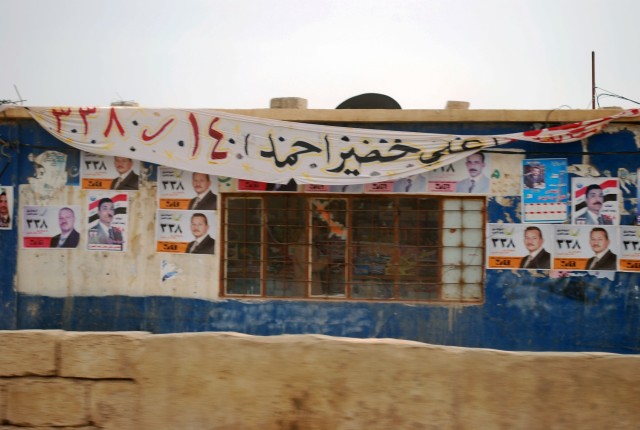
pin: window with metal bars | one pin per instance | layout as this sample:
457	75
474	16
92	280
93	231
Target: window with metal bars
353	247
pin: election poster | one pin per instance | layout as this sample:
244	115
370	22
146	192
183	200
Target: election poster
105	172
52	227
582	247
411	184
6	208
629	249
182	190
186	232
247	185
545	191
379	187
595	201
352	188
107	223
49	175
316	188
519	246
638	196
471	175
355	188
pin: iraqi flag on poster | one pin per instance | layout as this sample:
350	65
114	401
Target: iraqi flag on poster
608	206
115	214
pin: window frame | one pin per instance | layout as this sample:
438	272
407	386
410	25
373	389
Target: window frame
349	263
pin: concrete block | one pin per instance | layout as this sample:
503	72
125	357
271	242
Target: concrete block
99	355
115	404
28	352
49	428
288	103
47	402
318	382
3	402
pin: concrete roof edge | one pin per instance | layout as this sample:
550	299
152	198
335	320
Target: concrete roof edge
406	115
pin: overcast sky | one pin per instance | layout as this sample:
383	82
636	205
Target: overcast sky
496	54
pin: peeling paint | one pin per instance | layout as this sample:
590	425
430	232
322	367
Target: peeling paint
49	175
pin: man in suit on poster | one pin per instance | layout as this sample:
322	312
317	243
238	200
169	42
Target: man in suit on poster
477	182
5	218
203	243
534	178
69	236
204	199
538	257
104	232
594	198
127	179
603	259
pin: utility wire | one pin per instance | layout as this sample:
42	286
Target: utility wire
608	93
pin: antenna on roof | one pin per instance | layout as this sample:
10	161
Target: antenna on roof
20	99
124	103
593	79
12	102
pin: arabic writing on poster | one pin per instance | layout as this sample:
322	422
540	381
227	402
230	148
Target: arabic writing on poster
470	175
186	231
545	190
583	247
51	227
103	172
519	246
107	224
182	190
273	151
629	249
595	201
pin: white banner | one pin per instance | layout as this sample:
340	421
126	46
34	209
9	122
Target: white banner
273	151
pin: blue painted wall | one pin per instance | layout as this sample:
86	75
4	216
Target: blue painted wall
522	311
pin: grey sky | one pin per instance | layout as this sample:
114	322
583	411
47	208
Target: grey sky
511	54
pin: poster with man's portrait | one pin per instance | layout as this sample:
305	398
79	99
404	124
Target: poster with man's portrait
186	232
629	260
53	227
519	246
471	175
595	201
342	188
585	247
184	190
638	196
6	207
107	224
411	184
248	185
104	172
545	190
